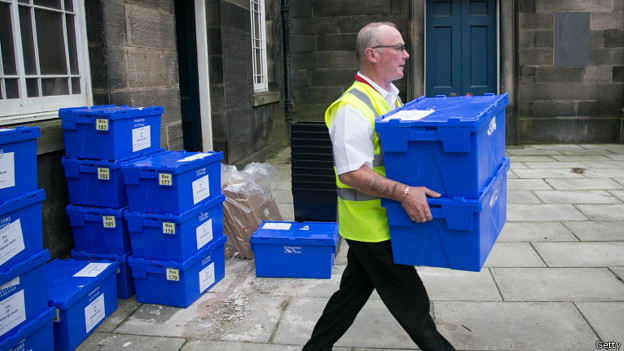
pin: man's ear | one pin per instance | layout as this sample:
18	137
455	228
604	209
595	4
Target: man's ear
372	55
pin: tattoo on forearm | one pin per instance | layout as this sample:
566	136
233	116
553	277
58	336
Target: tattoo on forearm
376	184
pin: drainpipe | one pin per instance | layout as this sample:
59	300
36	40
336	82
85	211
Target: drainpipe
516	26
288	102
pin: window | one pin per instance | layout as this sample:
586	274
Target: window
44	59
258	45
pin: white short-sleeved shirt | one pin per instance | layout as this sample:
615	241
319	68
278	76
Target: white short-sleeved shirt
352	136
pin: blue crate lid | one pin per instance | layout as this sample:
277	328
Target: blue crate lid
140	266
23	267
83	255
22	201
448	111
64	289
289	232
74	166
96	211
174	161
110	111
12	135
176	218
29	329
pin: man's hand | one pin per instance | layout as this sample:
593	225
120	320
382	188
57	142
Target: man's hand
415	204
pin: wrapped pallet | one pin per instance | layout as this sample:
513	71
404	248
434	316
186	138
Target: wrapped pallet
249	200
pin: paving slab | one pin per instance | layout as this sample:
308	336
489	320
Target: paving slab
527	184
560	147
604	173
606	318
558	284
532	152
576	197
599	164
585	156
294	287
516	165
374	326
619	271
543	213
542	173
619	181
536	231
554	165
125	308
513	254
535	326
597	230
522	159
603	212
204	345
522	197
583	184
582	254
618	193
114	342
616	157
445	284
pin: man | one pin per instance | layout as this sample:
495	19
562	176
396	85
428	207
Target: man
361	182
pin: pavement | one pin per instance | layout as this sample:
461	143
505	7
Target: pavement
553	281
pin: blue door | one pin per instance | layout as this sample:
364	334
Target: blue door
460	47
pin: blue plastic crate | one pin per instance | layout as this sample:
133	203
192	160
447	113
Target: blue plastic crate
97	182
109	132
125	284
36	335
172	182
461	234
295	250
178	284
18	161
170	237
21	233
455	150
22	293
84	294
99	229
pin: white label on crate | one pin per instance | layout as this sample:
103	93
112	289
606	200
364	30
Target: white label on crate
101	124
7	170
201	189
277	226
492	126
94	313
11	241
109	221
203	233
5	288
197	156
292	249
206	277
13	311
165	179
91	270
103	173
168	228
411	115
173	274
141	138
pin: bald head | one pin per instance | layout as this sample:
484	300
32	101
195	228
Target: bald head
369	36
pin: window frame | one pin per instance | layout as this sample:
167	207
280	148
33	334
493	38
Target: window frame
32	109
258	45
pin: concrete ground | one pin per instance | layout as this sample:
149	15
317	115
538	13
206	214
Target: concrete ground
553	281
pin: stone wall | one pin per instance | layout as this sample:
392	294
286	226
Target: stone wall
570	104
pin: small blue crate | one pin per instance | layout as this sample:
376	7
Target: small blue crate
109	132
97	182
461	234
454	150
285	249
21	234
179	284
84	294
22	293
36	335
125	284
99	229
173	181
170	237
18	161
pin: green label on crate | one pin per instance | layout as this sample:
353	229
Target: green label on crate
165	179
168	228
109	221
173	274
103	173
101	124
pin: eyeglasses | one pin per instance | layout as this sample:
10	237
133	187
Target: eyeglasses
399	47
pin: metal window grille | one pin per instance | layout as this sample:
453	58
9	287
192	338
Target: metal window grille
258	45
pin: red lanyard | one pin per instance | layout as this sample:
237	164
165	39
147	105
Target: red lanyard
398	101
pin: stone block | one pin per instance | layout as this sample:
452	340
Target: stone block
544	39
235	17
322	8
116	67
337	42
617	74
300	9
559	74
614	38
607	20
550	6
526	6
536	21
536	57
599	108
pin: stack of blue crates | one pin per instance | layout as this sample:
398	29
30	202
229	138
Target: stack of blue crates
455	146
98	140
175	221
26	319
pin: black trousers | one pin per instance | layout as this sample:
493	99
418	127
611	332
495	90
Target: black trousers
370	266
